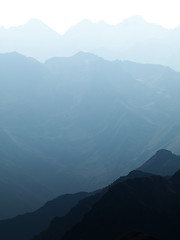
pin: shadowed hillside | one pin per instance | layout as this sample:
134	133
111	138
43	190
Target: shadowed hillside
76	124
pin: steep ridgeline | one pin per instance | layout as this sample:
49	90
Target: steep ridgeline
59	226
133	39
151	204
76	124
163	163
24	227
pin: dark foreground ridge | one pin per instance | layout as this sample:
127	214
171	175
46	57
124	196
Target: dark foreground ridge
59	226
150	203
136	185
24	227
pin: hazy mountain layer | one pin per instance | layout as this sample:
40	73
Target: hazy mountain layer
24	227
133	39
76	124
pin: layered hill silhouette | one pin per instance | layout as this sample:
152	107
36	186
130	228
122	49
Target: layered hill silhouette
33	223
163	163
77	124
137	201
133	39
149	203
26	226
59	226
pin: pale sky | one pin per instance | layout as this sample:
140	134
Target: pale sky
61	14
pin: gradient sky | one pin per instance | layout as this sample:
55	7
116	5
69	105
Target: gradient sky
61	14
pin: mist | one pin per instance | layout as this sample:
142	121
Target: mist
89	122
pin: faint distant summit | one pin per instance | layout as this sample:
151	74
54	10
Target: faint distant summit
164	163
135	20
86	56
35	21
133	39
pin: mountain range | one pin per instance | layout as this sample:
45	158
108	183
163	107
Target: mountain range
81	116
150	204
133	39
76	124
27	225
142	189
137	201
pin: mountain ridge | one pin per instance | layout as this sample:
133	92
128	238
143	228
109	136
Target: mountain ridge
47	109
67	210
133	39
164	163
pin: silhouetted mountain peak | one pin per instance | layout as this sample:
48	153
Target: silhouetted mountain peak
150	204
163	163
163	153
135	20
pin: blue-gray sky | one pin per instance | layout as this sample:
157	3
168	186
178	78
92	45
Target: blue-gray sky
61	14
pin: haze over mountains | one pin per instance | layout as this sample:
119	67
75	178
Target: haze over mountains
90	132
77	123
133	39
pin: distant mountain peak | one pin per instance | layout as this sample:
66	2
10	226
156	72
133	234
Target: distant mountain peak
164	163
163	152
135	20
37	26
35	21
13	55
86	56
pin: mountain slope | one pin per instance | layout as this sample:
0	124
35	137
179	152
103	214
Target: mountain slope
77	123
34	39
151	204
59	226
163	163
35	222
25	226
